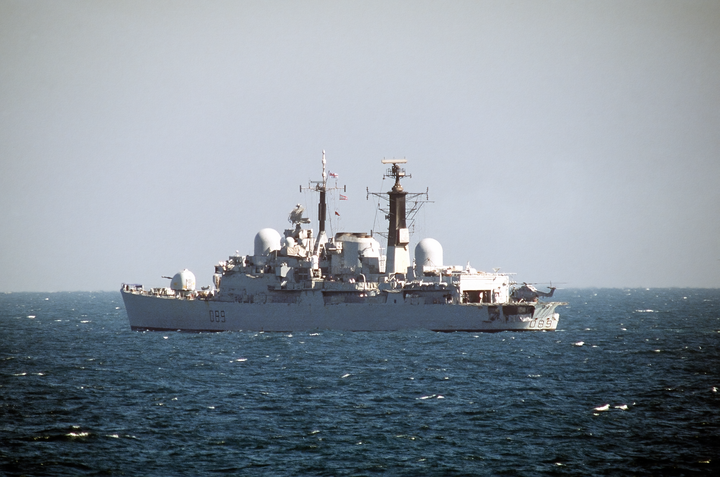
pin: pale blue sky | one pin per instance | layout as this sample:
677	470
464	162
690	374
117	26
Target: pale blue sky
570	141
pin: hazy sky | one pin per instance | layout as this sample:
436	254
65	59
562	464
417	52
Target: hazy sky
570	141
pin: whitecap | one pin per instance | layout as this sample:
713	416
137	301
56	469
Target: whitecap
579	343
31	316
602	408
345	376
622	407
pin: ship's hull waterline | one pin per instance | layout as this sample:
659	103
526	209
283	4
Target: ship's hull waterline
154	313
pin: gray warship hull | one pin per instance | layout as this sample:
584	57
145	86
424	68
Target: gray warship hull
299	281
154	313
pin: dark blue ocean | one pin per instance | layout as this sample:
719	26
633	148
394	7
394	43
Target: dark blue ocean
81	394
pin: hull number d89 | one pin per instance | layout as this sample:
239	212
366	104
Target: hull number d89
217	316
541	323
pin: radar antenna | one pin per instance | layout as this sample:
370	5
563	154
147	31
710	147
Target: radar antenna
413	200
296	216
396	211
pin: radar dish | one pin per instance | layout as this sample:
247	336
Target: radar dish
296	217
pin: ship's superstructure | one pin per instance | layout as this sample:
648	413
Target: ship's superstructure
299	282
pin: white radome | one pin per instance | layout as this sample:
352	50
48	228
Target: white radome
428	253
266	241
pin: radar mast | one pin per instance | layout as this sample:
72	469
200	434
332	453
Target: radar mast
398	234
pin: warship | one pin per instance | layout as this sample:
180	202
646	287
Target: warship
303	281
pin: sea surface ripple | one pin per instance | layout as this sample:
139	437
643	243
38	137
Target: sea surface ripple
628	385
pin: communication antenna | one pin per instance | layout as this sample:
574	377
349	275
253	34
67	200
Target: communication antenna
322	188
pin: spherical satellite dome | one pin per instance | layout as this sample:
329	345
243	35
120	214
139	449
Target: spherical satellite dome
428	253
266	241
184	280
